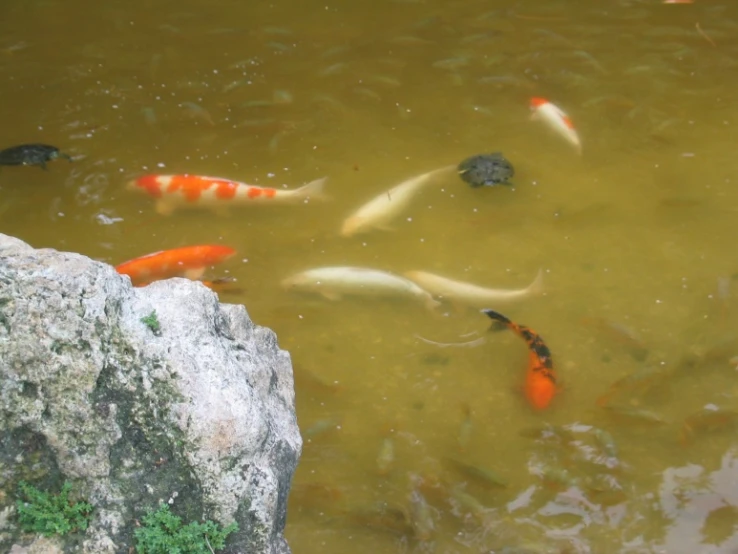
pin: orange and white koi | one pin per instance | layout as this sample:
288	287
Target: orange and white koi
189	261
555	118
185	191
540	379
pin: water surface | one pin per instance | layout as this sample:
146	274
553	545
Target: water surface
639	232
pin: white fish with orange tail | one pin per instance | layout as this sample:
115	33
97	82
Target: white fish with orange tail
555	118
336	282
186	191
379	212
472	295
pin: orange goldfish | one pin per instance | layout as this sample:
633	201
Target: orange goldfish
185	191
540	380
189	261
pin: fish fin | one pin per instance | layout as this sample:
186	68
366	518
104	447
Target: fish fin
162	208
536	287
313	190
194	273
66	156
330	295
500	321
42	165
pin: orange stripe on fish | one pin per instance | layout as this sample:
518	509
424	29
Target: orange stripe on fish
199	191
540	379
189	261
557	119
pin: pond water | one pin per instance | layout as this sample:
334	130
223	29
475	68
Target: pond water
635	237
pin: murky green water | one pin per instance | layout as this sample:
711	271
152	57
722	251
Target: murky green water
638	231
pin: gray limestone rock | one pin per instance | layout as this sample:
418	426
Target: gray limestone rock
199	413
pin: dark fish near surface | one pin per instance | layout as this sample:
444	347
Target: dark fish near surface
31	154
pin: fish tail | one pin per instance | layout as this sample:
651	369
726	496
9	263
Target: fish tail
500	321
536	287
313	190
431	303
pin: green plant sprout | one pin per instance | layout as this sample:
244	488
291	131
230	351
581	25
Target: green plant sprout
152	322
162	533
49	514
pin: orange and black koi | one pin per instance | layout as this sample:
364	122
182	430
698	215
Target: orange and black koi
540	379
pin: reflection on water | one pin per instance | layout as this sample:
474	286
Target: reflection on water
635	236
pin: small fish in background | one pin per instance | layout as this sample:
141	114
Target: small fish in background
709	419
473	295
186	191
223	285
638	384
466	427
381	517
197	112
621	334
540	380
556	119
321	427
635	415
336	282
314	494
149	116
467	504
421	516
382	210
31	154
306	380
483	477
189	261
386	455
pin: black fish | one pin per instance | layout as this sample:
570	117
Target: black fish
31	154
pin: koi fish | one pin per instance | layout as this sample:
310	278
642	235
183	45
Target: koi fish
189	261
185	191
335	282
472	295
540	379
555	118
379	212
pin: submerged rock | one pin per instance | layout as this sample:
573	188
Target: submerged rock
198	413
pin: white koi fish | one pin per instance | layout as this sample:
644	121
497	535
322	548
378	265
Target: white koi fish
335	282
379	212
472	295
555	118
185	191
